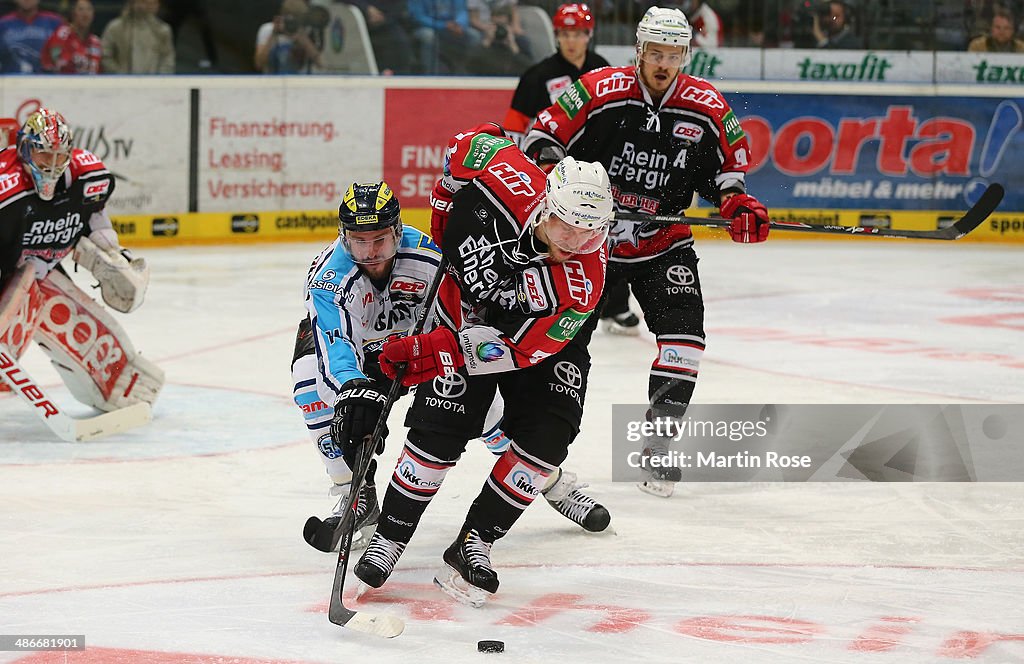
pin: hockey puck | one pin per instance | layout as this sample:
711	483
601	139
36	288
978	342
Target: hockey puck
490	646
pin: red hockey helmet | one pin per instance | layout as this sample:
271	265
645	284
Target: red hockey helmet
575	16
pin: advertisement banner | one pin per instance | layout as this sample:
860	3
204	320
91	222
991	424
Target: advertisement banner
294	148
140	134
714	64
419	125
884	152
992	69
848	66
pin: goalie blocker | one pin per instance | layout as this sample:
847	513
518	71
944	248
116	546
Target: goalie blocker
89	349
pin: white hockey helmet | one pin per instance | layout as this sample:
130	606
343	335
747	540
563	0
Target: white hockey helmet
580	195
661	25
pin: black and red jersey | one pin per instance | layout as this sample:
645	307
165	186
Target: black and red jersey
511	306
540	86
657	156
48	230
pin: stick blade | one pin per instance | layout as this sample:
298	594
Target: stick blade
980	211
377	624
113	422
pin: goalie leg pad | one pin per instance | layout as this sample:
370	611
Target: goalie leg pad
20	303
91	350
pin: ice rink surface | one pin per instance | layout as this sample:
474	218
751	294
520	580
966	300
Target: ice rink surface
180	542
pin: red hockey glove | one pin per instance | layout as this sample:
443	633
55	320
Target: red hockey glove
749	219
426	356
440	209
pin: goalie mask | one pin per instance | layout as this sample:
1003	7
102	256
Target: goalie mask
367	210
44	145
579	206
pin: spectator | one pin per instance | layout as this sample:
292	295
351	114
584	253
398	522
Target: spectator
392	46
542	83
73	49
137	42
1001	38
287	44
442	33
22	35
484	17
838	32
707	26
500	53
177	12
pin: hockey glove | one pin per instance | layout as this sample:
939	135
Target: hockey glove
440	210
749	219
356	412
426	356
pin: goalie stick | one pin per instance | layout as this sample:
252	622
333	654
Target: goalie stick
67	428
378	624
971	219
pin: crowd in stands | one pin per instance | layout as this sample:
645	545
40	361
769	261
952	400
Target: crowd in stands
479	37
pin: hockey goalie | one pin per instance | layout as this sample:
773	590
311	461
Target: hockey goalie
52	205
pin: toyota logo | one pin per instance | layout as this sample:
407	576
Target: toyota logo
680	275
450	387
570	374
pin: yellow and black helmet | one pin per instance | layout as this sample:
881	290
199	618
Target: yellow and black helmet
369	207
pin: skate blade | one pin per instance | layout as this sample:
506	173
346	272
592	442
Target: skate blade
452	584
611	327
361	537
362	588
655	488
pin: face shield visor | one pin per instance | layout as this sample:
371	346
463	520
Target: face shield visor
372	247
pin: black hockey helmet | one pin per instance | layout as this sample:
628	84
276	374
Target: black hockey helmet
369	207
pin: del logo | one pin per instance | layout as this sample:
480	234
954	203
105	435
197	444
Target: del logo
532	290
96	189
556	85
515	181
703	97
410	286
612	85
688	131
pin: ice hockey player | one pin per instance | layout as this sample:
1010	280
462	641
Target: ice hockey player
370	284
526	259
662	135
52	205
538	88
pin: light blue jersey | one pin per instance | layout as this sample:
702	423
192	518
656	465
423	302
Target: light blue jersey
351	317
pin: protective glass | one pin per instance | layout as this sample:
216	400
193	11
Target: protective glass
670	60
371	247
573	239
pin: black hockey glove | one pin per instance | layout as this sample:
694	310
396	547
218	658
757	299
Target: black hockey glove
355	416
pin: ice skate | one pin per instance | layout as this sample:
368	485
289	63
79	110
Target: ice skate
378	561
660	480
467	576
624	324
326	534
566	496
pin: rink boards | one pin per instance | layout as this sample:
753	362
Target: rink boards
213	159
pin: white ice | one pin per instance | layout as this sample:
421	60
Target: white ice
180	542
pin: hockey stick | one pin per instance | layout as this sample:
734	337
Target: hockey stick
971	219
377	624
67	428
